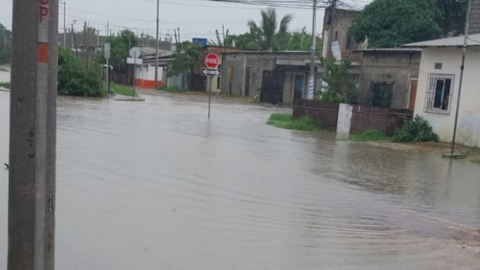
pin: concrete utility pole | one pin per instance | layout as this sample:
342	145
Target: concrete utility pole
156	45
65	24
462	68
333	7
311	84
31	208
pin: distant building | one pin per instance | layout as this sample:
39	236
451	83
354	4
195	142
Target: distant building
275	77
94	42
388	77
438	86
338	23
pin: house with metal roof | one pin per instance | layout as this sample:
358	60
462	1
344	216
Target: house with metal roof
438	87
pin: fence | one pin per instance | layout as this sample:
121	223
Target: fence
360	119
325	113
384	120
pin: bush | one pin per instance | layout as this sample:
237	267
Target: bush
415	130
75	79
163	87
287	122
369	135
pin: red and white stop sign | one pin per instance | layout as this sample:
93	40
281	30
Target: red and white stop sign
212	61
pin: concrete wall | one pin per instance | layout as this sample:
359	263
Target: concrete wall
345	112
475	18
469	117
232	83
395	68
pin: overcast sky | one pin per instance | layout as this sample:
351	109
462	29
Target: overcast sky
195	18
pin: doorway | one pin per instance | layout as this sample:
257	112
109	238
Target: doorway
413	94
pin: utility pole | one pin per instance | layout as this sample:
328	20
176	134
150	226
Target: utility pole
333	7
64	24
462	68
156	45
84	42
311	83
31	202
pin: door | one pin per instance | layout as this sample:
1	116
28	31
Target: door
272	87
247	82
299	86
413	94
229	79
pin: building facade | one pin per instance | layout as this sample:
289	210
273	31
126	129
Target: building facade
438	88
336	25
388	78
274	77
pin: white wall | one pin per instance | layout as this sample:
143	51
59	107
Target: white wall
469	118
148	73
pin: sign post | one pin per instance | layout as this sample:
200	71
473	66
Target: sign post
211	62
107	57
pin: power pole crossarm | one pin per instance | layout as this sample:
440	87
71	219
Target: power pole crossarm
31	208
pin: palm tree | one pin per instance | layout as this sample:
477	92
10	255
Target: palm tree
268	32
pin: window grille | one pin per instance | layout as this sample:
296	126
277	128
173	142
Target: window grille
439	93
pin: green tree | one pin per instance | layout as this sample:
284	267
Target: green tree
391	23
5	45
75	79
185	60
299	41
120	46
342	87
268	33
451	16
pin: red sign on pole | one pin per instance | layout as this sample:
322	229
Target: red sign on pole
212	61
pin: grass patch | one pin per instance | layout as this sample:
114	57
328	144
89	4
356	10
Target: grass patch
174	89
5	85
286	121
369	136
121	89
476	160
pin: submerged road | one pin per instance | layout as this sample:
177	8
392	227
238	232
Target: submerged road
154	185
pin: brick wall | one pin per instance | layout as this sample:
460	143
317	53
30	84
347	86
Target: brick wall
475	18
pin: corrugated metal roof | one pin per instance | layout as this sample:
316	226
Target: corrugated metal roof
473	40
390	50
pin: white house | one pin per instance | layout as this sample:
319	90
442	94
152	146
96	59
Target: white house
438	86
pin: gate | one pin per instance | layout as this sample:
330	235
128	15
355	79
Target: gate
272	87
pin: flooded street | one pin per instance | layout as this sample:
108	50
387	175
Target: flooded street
154	185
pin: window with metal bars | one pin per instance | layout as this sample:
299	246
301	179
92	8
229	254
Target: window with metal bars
439	93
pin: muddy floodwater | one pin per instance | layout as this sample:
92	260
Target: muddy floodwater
154	185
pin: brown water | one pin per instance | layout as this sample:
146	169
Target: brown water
154	185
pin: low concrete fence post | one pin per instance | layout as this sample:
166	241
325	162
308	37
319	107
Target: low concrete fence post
345	112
